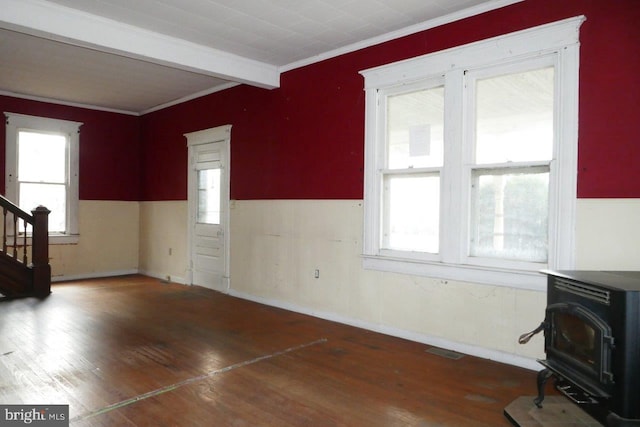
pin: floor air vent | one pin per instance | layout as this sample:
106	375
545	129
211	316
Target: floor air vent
445	353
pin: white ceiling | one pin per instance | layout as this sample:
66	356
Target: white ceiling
137	56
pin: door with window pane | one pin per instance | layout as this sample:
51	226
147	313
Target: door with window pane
208	195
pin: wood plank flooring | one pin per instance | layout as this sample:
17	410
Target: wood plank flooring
132	351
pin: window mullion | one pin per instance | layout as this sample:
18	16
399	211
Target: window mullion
374	155
453	206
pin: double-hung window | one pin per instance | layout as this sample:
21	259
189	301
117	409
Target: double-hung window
413	165
42	170
510	137
471	159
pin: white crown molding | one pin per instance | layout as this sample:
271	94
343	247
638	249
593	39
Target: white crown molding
190	97
118	111
67	103
412	29
48	20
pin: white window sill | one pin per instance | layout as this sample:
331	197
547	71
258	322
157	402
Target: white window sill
64	239
54	239
518	279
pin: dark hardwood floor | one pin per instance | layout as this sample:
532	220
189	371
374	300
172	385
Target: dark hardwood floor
132	351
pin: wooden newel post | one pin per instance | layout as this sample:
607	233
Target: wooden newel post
40	252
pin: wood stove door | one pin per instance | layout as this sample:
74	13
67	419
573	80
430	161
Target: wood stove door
579	344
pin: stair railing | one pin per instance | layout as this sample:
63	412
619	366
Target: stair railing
20	229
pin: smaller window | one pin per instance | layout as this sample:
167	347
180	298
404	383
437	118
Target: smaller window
42	170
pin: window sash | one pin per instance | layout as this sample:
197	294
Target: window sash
418	222
504	214
51	195
433	159
37	150
522	69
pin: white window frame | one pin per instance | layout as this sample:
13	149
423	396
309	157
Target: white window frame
17	122
557	44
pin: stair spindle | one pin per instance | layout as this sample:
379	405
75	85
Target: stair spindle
24	248
15	236
4	230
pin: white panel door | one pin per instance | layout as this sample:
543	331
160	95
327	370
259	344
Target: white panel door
208	211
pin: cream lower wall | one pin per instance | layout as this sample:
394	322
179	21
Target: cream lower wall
163	240
276	246
108	242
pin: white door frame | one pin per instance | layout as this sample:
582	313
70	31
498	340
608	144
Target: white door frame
221	134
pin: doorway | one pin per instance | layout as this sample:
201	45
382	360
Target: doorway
208	199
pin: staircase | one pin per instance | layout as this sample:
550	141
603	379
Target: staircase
24	256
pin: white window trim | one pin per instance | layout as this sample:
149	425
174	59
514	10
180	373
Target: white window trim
559	40
16	122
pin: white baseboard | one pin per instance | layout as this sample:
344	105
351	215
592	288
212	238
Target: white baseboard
472	350
165	277
93	275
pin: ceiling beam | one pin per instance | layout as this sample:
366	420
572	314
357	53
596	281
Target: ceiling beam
49	20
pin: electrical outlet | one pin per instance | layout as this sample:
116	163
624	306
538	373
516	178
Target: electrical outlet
316	274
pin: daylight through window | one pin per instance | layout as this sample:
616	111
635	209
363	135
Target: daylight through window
42	175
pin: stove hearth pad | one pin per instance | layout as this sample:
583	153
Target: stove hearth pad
556	411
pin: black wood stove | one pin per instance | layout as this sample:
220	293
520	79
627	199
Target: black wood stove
592	342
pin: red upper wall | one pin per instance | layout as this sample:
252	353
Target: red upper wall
306	139
109	148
